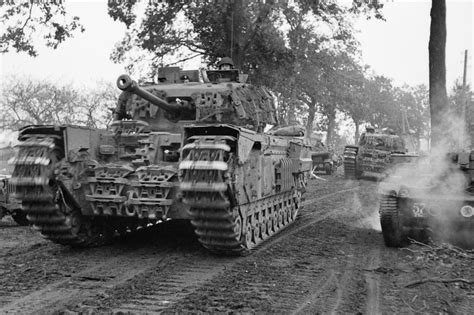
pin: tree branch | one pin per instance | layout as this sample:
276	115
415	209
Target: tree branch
261	17
185	59
29	16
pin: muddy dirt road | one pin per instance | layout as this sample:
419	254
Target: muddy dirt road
332	260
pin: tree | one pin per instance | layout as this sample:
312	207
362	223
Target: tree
413	103
355	99
245	30
33	102
25	20
437	70
289	62
249	31
459	96
459	103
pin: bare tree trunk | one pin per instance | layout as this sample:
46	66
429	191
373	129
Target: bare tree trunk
331	126
357	131
292	104
437	67
294	98
236	41
309	123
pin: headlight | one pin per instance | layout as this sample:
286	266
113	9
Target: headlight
467	211
403	193
3	184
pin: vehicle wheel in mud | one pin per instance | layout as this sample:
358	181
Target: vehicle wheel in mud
390	220
20	218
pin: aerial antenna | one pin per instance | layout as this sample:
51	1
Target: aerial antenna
231	33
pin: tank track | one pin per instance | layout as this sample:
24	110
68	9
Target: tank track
20	218
219	227
49	209
392	229
350	163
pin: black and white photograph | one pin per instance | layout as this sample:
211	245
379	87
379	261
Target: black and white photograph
236	157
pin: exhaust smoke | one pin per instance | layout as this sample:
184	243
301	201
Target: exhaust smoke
436	184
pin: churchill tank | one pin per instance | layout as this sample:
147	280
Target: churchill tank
242	185
189	147
375	154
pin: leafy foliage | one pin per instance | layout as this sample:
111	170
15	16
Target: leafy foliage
24	20
305	52
249	31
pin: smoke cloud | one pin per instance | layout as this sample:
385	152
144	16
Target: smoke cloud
438	179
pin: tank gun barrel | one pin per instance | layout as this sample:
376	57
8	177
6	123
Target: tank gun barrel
125	83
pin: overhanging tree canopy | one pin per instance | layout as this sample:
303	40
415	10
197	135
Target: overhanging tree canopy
23	22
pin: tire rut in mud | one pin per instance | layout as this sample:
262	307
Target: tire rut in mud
279	278
52	279
291	273
87	283
159	289
182	277
373	282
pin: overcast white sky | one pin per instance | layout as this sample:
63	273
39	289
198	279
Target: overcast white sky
397	48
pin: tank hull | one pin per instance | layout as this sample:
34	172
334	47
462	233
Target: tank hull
242	187
79	186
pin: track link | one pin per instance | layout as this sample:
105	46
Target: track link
392	229
350	171
220	227
44	200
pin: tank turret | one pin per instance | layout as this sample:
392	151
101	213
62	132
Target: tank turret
125	83
221	98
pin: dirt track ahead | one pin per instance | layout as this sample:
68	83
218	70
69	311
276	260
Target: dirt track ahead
331	260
